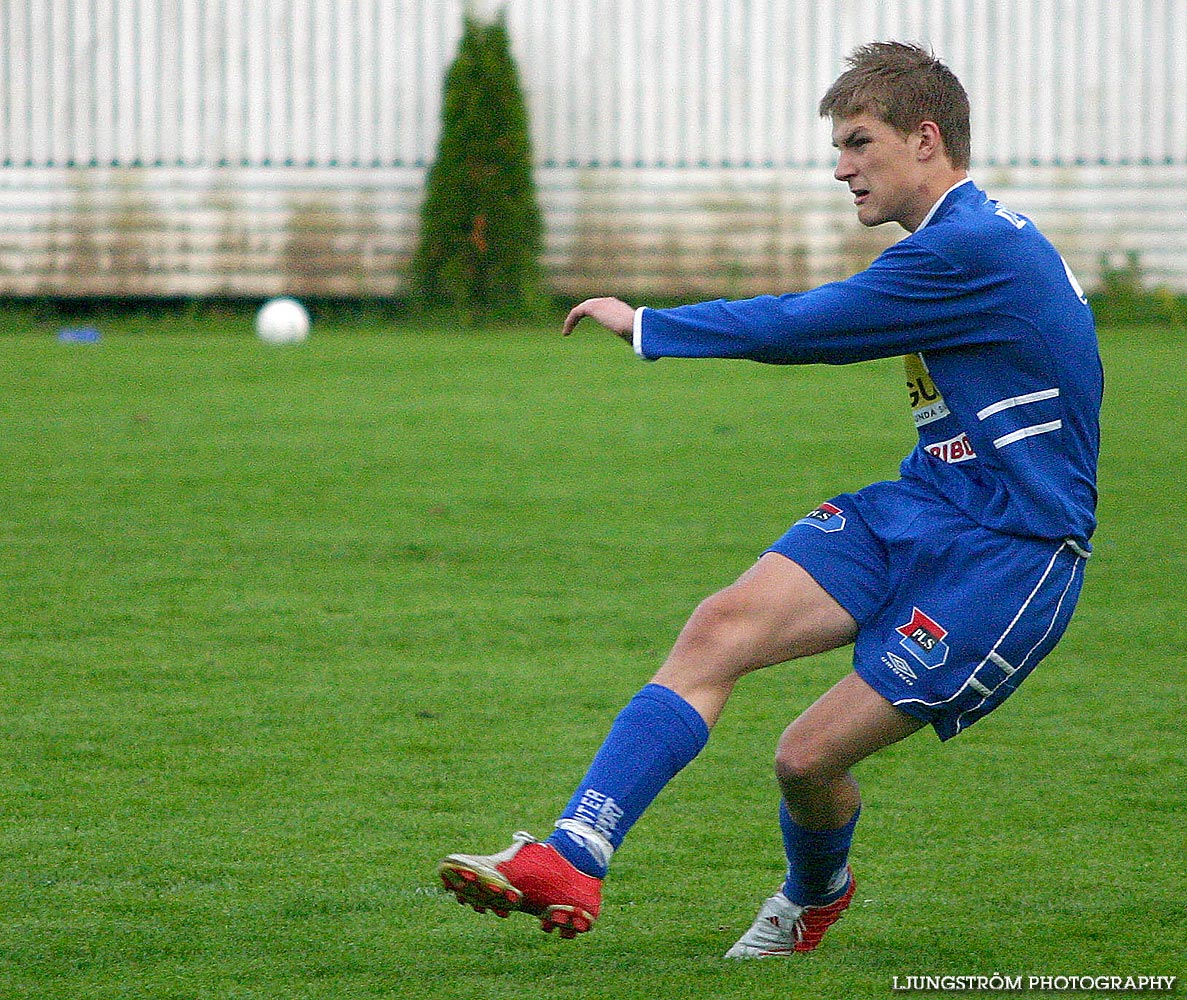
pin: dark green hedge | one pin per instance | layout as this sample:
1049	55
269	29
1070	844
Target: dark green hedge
481	231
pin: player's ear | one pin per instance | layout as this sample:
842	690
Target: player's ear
930	142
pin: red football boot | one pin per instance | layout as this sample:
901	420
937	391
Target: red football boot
530	877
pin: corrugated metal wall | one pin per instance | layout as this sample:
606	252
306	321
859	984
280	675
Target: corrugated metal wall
252	146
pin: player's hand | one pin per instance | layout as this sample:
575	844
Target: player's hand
614	314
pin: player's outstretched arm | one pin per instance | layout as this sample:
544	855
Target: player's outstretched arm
614	314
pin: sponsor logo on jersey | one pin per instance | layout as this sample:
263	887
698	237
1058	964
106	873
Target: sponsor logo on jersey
954	450
930	414
927	405
826	517
900	667
923	638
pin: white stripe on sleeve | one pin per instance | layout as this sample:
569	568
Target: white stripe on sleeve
1005	404
1026	432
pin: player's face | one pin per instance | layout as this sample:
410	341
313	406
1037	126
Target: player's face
882	169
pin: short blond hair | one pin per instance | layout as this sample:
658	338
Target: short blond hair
903	85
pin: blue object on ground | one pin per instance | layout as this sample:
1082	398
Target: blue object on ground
78	335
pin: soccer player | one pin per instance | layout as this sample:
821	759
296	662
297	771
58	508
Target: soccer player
952	582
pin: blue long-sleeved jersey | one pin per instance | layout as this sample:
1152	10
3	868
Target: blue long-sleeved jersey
1002	360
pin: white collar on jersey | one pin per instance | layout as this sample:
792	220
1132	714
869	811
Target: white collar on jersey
940	201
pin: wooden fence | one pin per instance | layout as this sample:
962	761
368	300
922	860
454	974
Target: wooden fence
248	147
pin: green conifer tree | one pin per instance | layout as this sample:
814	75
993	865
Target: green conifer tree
481	232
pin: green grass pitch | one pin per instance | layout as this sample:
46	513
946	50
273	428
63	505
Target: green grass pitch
282	627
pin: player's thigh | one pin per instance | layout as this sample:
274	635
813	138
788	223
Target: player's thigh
846	724
774	612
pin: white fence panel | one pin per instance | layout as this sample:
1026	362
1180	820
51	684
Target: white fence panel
202	146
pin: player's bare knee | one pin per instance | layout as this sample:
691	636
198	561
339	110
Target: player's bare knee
801	764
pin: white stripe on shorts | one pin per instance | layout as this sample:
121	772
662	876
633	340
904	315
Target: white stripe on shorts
993	656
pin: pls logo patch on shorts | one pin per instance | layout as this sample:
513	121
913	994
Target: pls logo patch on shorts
826	517
924	638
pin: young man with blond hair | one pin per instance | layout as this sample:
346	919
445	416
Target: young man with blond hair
951	582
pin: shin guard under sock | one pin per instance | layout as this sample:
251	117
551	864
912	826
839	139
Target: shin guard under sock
651	741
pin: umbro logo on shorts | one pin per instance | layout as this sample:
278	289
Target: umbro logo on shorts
900	667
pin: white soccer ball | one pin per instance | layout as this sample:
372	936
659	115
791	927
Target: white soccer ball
282	321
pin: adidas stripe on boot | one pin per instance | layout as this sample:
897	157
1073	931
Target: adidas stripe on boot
783	927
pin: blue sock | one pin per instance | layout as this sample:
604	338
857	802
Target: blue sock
651	741
816	860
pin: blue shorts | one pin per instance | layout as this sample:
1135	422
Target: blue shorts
951	616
